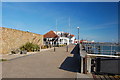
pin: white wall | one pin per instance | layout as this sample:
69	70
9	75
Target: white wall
63	40
72	40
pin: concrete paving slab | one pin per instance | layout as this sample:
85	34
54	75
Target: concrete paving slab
45	64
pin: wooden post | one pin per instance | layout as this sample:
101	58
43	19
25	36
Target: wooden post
85	65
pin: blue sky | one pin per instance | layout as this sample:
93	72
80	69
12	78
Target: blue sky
97	21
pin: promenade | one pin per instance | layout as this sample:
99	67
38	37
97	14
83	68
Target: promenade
46	64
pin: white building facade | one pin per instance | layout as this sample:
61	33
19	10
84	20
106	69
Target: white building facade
61	38
65	38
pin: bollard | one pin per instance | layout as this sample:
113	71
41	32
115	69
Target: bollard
67	49
54	49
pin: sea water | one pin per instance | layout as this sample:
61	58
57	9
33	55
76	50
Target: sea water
102	48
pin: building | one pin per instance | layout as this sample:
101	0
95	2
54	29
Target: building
58	38
72	39
50	38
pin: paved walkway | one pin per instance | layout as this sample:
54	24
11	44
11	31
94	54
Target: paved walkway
47	64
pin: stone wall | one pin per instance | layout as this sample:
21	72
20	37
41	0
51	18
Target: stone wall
13	39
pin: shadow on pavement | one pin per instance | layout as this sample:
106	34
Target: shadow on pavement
72	63
76	50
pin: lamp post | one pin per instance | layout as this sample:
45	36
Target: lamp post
54	43
78	34
67	47
79	51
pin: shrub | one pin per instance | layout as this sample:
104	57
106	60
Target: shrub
30	47
44	47
15	51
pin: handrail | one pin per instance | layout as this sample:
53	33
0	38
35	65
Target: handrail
101	55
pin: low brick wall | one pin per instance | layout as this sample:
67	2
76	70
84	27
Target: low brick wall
12	39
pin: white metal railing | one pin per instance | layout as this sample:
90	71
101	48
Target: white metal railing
100	48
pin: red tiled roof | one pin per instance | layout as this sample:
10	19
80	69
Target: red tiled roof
72	35
50	34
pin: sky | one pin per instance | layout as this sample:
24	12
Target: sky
97	20
60	0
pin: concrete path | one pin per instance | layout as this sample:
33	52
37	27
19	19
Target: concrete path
47	64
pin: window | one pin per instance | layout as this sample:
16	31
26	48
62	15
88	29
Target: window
60	40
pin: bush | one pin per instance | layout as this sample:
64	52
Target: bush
15	51
30	47
44	47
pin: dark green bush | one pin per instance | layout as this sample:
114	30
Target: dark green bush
30	47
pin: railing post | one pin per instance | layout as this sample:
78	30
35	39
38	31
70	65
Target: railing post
111	49
89	64
85	65
94	48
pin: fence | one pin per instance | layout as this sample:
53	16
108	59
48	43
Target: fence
101	48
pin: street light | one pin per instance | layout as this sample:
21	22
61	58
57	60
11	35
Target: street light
78	34
79	51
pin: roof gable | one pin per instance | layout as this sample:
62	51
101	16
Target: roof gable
50	34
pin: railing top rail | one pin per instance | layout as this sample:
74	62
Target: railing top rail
104	52
103	44
100	55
